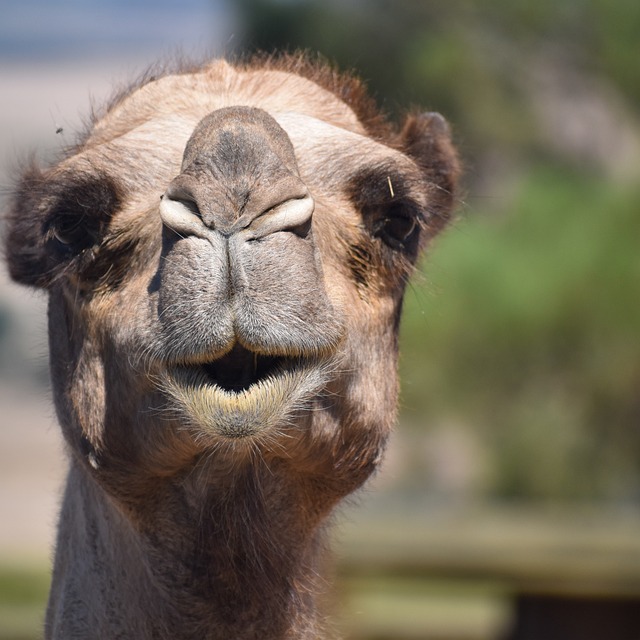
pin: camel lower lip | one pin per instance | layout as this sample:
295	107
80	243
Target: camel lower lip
266	404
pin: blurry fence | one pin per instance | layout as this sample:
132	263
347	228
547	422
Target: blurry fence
520	576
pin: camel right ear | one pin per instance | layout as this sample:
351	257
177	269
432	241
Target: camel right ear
24	238
426	137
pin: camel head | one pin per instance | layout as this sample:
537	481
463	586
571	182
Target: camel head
225	253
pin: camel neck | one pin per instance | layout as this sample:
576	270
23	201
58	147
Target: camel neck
241	564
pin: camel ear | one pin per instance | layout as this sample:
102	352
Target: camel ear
426	138
24	238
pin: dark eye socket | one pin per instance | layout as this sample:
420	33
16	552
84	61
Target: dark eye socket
68	230
77	209
397	227
71	232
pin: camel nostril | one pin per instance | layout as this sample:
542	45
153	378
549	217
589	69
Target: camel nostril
302	229
293	215
181	214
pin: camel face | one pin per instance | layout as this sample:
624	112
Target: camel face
225	261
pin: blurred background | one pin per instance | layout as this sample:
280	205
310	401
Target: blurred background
511	495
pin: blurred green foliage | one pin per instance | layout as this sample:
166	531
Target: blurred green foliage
23	594
524	330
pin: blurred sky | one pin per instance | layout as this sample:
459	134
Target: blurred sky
41	29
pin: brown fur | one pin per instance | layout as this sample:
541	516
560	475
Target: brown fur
223	358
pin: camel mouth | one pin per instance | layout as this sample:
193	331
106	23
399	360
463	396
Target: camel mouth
239	369
243	393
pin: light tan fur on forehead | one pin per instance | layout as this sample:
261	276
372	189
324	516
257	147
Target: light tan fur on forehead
158	143
331	152
218	85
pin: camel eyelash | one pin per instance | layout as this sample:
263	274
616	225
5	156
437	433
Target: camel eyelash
69	232
389	213
80	214
397	225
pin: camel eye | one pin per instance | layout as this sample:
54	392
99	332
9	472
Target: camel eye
80	211
70	233
396	228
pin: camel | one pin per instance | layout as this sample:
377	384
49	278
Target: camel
225	252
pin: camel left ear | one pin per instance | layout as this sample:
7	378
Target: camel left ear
23	236
426	138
